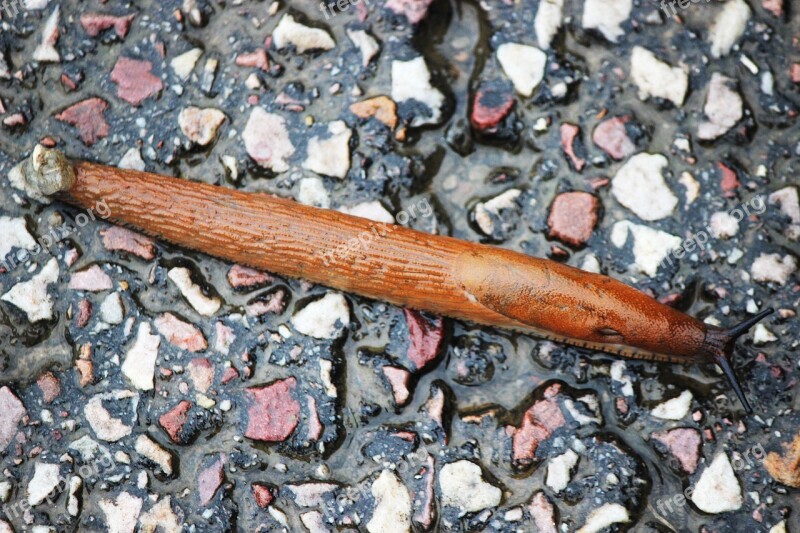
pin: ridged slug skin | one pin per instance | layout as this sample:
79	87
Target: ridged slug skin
474	282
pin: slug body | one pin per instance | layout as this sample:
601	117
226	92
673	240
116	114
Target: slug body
473	282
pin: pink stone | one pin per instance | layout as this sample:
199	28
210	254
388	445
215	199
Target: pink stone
93	279
414	10
425	340
119	238
684	444
242	277
134	80
96	23
50	387
223	338
201	372
538	423
315	427
569	132
795	72
262	494
84	313
229	374
180	333
573	217
773	6
729	182
11	412
426	513
209	480
492	104
257	59
273	303
611	136
543	513
173	421
87	116
399	379
272	412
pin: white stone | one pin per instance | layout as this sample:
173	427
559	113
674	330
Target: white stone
122	513
723	225
325	373
674	409
155	452
780	527
618	375
45	478
324	318
462	486
728	27
46	51
304	38
160	518
762	335
411	80
650	246
656	78
31	296
787	199
105	426
771	267
14	235
485	210
692	187
372	210
314	522
87	447
201	125
639	185
607	16
140	361
132	160
392	513
723	108
605	516
112	310
590	263
366	44
717	490
548	21
267	141
524	65
73	501
311	191
330	156
183	64
194	295
559	470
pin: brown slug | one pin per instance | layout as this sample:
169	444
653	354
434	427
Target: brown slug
464	280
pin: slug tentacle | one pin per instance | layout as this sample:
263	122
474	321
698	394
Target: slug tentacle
720	343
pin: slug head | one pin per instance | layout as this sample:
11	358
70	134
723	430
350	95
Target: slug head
720	343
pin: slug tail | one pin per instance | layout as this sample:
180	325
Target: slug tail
720	344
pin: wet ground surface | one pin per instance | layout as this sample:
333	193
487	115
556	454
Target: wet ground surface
147	388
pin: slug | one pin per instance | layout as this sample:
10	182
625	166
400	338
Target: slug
472	282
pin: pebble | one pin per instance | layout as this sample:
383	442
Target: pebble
96	23
183	65
728	27
242	277
773	268
612	137
383	108
209	480
656	78
548	21
174	422
179	333
718	491
411	80
762	336
140	361
15	235
46	52
135	82
272	412
160	518
330	156
639	185
392	512
399	379
201	303
487	212
304	38
117	238
105	426
723	225
267	141
559	470
523	64
569	136
366	44
607	16
32	297
201	125
462	485
201	372
155	452
45	479
789	203
784	467
414	10
111	309
425	338
325	318
262	495
493	102
88	116
311	191
543	513
132	160
539	422
122	513
604	517
573	217
674	409
373	210
92	279
650	246
684	444
723	108
48	384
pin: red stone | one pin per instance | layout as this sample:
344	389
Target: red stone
50	387
272	412
84	313
569	133
257	59
209	480
134	80
242	277
87	116
414	10
729	182
425	338
684	444
612	137
492	104
538	423
117	238
96	23
229	374
174	420
573	217
180	333
262	494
